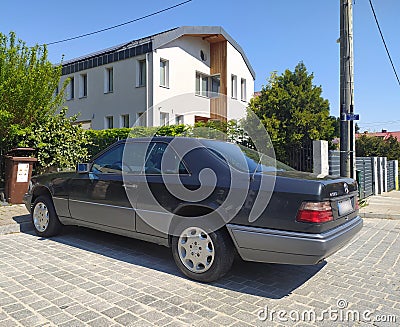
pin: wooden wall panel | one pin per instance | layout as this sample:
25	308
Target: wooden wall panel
218	63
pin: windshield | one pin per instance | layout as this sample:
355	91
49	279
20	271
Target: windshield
245	159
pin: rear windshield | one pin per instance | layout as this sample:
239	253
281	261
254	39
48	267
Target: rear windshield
245	159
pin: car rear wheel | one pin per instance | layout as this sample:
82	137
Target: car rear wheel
44	217
203	255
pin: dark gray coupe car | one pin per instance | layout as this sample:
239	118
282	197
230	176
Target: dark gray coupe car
208	200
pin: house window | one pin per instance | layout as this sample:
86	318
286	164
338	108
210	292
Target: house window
71	89
83	84
164	72
215	83
206	84
164	118
179	120
108	80
141	75
201	84
234	86
56	91
243	89
109	122
140	119
124	121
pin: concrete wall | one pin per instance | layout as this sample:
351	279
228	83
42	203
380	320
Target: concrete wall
320	157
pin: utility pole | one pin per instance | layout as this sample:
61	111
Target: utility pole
347	131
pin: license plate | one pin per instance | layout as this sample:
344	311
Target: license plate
345	207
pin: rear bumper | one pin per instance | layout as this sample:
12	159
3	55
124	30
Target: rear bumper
276	246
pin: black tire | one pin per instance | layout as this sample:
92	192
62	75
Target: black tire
224	254
53	227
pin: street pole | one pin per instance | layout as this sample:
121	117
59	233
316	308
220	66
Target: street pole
347	131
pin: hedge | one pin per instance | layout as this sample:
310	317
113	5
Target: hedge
101	139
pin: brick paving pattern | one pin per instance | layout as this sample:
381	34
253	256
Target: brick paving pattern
90	278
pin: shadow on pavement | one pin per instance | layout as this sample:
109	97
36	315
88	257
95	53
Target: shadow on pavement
22	219
272	281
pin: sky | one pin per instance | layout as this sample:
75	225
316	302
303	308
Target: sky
275	35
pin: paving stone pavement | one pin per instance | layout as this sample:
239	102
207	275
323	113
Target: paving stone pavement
90	278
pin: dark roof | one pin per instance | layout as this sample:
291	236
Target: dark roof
144	45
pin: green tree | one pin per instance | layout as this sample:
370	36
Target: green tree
28	81
293	111
31	112
373	146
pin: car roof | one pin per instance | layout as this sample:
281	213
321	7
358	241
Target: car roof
167	139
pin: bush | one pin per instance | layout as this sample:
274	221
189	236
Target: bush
59	143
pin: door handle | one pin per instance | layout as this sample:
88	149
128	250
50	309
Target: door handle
130	186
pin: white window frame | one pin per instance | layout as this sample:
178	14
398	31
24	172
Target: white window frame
234	86
166	72
199	88
208	79
107	120
122	121
179	119
141	119
71	88
243	89
140	79
164	118
83	90
109	80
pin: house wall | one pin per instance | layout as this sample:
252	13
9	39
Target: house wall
126	97
183	55
177	98
237	66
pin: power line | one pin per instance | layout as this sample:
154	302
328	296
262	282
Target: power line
122	24
383	40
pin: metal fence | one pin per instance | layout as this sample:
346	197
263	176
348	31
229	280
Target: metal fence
391	178
366	184
363	164
301	158
334	162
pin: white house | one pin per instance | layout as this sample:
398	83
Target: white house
165	78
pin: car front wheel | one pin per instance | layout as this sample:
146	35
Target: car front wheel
203	255
44	217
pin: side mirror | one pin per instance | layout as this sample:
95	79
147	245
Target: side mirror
83	168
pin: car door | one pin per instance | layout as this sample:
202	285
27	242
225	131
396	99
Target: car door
99	197
155	202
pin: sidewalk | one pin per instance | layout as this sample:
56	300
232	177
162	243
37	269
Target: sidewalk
15	218
383	206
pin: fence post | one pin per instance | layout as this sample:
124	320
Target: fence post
396	174
385	175
320	157
375	179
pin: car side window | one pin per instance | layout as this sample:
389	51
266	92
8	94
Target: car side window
110	162
172	164
134	157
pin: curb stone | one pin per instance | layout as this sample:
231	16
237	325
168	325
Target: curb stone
16	228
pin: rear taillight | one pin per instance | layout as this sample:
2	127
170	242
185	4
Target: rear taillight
356	204
315	212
